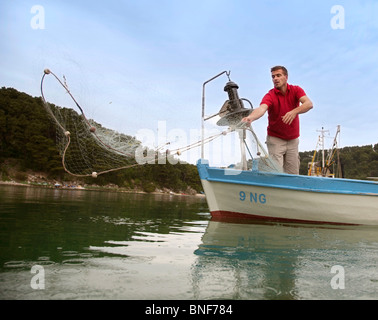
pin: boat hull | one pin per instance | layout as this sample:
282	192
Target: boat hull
288	198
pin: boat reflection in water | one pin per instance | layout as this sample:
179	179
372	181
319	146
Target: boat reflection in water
239	260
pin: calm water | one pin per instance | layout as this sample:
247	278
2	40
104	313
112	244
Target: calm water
103	245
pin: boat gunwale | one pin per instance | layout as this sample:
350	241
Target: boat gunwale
316	189
292	188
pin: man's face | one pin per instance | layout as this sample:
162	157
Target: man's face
279	79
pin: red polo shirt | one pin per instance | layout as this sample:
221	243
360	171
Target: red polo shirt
278	106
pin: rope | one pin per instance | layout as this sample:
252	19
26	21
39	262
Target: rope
92	130
241	125
47	71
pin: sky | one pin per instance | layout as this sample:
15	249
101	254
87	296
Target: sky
139	66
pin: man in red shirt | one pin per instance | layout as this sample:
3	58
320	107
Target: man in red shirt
284	102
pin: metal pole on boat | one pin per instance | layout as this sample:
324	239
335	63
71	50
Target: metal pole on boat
203	111
242	136
322	140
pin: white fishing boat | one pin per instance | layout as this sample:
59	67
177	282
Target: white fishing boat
262	192
288	198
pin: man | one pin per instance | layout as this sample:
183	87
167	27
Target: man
284	102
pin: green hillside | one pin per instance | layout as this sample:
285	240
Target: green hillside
27	143
356	162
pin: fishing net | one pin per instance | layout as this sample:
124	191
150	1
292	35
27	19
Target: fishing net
263	162
259	159
89	149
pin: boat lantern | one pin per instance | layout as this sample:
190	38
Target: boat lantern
233	110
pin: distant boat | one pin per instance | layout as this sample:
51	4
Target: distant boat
323	168
239	192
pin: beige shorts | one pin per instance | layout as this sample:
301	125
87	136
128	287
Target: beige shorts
285	152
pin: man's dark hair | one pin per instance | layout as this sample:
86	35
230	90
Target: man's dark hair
279	68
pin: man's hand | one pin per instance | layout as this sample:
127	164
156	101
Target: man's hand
306	105
247	120
289	117
255	114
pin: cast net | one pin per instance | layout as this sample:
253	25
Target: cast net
86	147
260	160
89	149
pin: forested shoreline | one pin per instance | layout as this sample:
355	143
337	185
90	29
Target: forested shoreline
28	149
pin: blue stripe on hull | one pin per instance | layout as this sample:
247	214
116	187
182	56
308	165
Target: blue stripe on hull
287	181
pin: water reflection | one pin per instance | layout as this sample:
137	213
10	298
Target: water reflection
67	224
273	261
105	245
98	245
